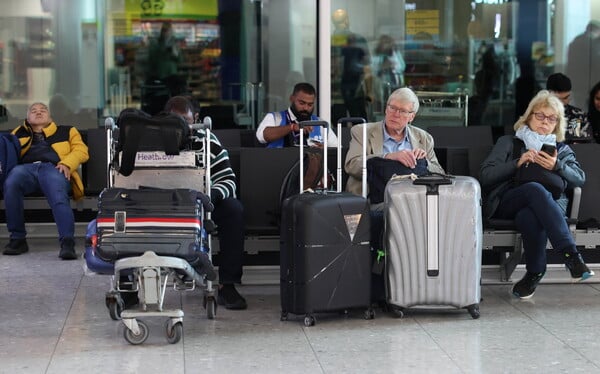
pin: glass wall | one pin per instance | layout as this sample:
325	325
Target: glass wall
50	53
498	52
156	49
453	48
574	46
238	59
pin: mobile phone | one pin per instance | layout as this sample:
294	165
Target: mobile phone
549	149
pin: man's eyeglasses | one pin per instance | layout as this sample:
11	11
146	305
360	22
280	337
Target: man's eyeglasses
402	112
541	116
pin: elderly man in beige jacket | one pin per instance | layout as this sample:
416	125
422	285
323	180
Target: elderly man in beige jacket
393	138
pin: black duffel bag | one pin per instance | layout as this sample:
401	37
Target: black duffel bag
381	170
138	131
532	172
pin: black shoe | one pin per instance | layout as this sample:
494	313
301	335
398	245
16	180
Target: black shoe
16	247
579	270
67	249
230	298
525	288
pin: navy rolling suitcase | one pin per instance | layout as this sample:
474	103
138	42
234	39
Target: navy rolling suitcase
324	251
166	221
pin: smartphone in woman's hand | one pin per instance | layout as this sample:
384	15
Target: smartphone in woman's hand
549	149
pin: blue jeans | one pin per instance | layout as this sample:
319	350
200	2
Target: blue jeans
539	219
26	179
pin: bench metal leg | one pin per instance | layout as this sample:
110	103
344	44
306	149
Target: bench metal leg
510	260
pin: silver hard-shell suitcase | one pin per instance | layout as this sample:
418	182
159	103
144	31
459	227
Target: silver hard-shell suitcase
433	242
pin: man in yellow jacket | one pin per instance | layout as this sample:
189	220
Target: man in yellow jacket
50	156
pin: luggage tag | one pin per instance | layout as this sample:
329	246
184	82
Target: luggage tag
379	263
411	176
120	221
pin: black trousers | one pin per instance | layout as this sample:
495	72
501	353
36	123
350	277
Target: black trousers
229	217
378	274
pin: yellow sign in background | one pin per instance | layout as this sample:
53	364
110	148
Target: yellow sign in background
427	21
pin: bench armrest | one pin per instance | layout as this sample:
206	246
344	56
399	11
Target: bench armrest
575	201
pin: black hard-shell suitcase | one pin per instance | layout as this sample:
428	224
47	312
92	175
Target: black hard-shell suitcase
324	250
166	221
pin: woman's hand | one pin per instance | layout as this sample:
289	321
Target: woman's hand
545	160
527	157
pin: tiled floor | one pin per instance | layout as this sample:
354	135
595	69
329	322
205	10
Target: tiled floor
54	321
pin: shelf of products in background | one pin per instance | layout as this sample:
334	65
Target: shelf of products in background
198	43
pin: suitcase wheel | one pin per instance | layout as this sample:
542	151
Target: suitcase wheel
397	311
115	305
114	310
474	311
369	314
138	338
210	304
309	320
284	316
174	331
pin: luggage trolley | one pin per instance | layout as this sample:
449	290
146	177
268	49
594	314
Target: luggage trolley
150	273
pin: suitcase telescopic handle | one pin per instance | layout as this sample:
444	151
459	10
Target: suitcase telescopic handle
354	120
314	123
325	126
431	182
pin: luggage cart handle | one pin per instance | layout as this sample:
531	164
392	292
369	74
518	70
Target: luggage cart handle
109	126
205	124
109	123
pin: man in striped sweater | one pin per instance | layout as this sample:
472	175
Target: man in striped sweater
228	211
